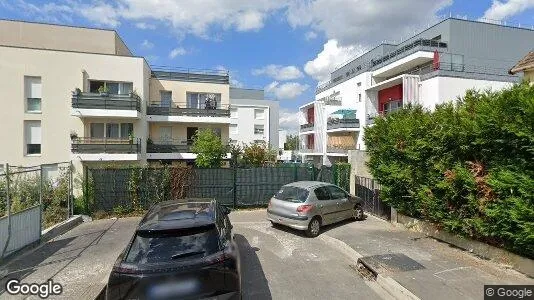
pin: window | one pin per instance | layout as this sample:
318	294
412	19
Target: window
359	84
191	131
259	114
153	248
359	97
32	87
203	100
336	193
233	113
233	129
292	194
97	130
322	193
258	129
113	130
126	130
32	132
166	98
122	88
392	106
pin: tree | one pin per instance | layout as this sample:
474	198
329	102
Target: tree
208	148
258	154
291	142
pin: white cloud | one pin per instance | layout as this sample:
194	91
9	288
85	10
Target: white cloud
100	13
143	25
177	52
236	83
310	35
365	22
251	20
329	58
279	72
289	120
288	90
146	44
501	10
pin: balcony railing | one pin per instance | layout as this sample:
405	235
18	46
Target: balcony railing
306	127
191	75
184	109
106	101
342	123
339	149
169	146
307	150
106	145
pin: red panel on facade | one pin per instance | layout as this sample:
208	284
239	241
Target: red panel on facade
310	115
311	141
389	94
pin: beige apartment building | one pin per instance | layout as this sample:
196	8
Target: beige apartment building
71	93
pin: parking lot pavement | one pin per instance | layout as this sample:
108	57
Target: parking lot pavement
279	263
80	260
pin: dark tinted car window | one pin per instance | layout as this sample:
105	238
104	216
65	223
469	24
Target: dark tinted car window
322	193
156	248
336	192
292	194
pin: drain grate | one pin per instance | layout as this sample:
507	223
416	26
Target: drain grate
364	271
393	262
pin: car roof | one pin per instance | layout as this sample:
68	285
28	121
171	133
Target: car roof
179	214
307	184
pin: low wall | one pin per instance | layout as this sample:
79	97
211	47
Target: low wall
519	263
25	230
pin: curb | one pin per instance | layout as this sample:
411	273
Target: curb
61	228
388	284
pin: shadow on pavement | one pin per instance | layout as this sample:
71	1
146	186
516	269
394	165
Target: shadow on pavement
323	228
253	280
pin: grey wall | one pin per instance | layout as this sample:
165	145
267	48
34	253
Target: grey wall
237	93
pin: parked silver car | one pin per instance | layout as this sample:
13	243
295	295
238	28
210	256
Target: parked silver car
308	205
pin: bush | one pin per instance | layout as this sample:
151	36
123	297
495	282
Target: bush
468	166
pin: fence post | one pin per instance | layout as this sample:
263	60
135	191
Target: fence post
235	185
8	212
295	172
40	200
334	174
86	189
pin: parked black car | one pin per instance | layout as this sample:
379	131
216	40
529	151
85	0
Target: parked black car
180	250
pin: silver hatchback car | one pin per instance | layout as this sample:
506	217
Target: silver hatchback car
308	205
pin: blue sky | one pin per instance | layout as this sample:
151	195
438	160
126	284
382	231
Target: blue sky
285	47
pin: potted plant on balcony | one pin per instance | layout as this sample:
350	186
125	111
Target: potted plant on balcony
131	137
103	90
73	135
76	92
134	94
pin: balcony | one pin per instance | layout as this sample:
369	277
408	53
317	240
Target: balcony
158	111
191	75
169	146
338	150
307	127
105	105
342	125
102	149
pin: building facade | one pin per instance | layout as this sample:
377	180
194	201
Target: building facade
253	118
91	101
435	66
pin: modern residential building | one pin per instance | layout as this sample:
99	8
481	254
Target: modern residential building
282	138
253	118
79	94
435	66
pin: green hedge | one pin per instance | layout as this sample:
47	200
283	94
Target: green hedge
467	166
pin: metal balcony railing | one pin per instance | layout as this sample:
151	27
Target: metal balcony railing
417	45
185	109
106	101
106	145
191	75
342	123
306	127
169	146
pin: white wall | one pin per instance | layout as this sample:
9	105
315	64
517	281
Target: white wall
282	138
245	122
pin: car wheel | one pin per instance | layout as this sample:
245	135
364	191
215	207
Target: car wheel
357	213
314	227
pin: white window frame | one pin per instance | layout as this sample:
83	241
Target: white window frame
262	116
29	93
29	139
257	129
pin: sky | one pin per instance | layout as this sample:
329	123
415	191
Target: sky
284	47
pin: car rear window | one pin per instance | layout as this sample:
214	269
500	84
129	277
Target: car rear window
164	247
292	194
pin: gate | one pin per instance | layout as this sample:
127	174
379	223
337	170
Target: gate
369	190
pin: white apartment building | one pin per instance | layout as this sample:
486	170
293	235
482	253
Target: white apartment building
79	94
253	118
435	66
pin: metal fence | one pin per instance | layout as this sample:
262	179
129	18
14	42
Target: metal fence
369	190
111	189
32	198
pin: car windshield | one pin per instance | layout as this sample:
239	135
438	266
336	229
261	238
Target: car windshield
292	194
154	248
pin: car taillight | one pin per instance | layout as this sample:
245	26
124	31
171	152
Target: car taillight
304	208
218	257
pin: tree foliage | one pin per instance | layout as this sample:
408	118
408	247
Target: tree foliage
468	166
208	148
292	142
258	154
